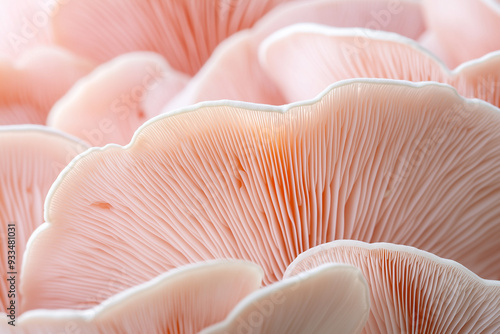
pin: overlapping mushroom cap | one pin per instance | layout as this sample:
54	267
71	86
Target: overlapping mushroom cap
31	84
321	55
31	157
371	160
413	291
460	40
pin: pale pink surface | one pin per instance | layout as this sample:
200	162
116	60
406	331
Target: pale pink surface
371	160
184	300
31	85
465	29
413	291
329	299
109	104
234	72
184	32
31	157
24	24
303	59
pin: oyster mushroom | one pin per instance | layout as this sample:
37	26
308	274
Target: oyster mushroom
185	33
109	104
31	158
413	291
321	55
373	160
328	299
470	37
183	300
237	57
31	84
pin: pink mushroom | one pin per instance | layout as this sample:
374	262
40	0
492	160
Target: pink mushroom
320	55
413	291
373	160
31	84
461	40
184	300
109	104
31	157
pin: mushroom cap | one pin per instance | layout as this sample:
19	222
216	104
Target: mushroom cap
237	57
413	291
470	37
31	158
328	299
321	55
183	300
32	83
24	25
184	32
109	104
372	160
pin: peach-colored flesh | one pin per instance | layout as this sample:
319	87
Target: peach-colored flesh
108	105
412	291
233	72
30	85
24	25
303	59
330	299
31	157
184	32
182	301
371	160
464	29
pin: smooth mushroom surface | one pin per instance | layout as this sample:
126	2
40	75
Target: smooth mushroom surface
31	157
184	300
237	57
109	104
467	38
372	160
184	32
321	55
23	26
32	83
329	299
413	291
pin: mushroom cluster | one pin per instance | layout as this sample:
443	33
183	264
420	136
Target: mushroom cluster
247	166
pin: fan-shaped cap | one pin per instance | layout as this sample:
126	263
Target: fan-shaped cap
24	25
413	291
237	57
328	299
109	104
184	32
372	160
320	55
33	83
184	300
472	36
31	157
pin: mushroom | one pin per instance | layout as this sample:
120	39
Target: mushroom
109	104
327	299
171	28
321	55
31	157
183	300
462	40
31	84
237	57
24	26
413	291
373	160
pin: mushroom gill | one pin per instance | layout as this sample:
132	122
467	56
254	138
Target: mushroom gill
372	160
413	291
